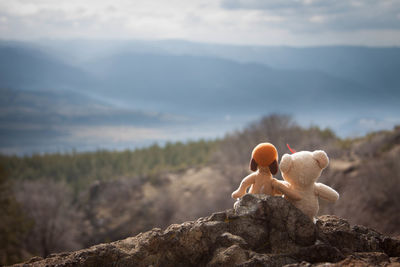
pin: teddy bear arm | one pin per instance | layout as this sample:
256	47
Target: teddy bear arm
284	189
325	192
246	182
275	190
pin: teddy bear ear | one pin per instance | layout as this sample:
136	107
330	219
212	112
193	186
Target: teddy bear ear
286	163
321	158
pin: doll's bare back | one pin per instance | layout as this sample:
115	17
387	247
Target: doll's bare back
264	164
262	184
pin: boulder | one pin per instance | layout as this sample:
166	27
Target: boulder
259	231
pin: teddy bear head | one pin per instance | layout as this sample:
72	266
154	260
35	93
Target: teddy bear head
303	168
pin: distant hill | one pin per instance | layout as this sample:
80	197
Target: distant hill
55	121
24	66
350	89
370	66
163	81
208	85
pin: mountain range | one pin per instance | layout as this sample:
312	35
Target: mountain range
186	86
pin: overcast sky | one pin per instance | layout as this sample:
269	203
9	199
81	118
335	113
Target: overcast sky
257	22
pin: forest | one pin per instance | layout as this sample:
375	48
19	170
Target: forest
79	170
60	202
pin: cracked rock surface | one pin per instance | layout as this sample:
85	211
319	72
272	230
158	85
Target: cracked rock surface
260	231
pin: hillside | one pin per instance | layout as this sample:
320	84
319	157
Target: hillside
368	177
106	196
80	170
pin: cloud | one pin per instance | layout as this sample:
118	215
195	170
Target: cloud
283	5
321	15
259	4
97	19
256	22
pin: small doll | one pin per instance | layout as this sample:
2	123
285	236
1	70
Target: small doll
264	163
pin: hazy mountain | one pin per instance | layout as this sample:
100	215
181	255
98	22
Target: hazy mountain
371	66
55	120
205	89
207	85
24	67
196	84
50	107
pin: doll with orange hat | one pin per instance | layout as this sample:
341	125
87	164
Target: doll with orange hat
264	164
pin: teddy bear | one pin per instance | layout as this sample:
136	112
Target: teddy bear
300	171
264	164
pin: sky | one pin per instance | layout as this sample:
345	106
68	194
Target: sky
244	22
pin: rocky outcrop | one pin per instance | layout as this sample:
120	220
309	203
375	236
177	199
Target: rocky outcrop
260	231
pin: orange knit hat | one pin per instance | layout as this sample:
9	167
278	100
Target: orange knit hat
264	154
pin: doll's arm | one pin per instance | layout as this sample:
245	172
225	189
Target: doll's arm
325	192
284	188
246	182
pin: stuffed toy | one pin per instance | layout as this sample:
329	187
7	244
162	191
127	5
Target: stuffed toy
263	163
300	172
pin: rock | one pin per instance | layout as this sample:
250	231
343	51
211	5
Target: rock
338	233
280	227
260	231
391	246
233	255
35	258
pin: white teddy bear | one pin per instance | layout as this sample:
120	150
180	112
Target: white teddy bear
300	172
